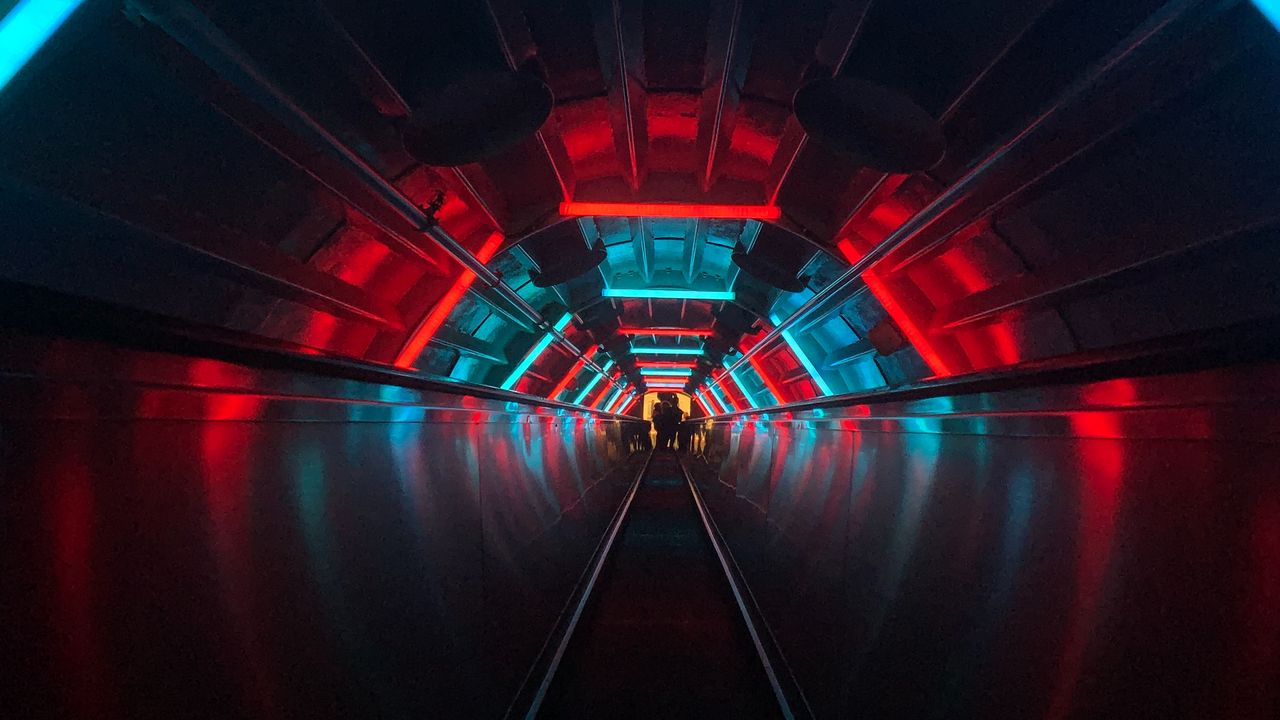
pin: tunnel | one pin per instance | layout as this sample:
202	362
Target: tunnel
623	359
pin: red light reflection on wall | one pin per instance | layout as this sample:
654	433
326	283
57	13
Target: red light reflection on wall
914	335
768	381
72	515
606	392
1099	486
573	372
224	451
1253	680
422	335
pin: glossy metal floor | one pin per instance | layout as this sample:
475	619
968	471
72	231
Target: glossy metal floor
663	637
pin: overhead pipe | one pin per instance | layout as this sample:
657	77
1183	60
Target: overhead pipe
194	31
1163	29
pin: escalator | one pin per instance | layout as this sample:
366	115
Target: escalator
661	635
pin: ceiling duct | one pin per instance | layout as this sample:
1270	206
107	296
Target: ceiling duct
478	116
569	265
618	347
878	127
762	268
735	321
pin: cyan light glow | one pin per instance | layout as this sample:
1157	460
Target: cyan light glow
665	294
623	402
712	407
594	381
26	29
1269	8
532	356
608	404
745	392
665	351
724	402
684	372
804	360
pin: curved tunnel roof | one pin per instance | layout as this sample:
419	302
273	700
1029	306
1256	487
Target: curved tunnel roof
1109	179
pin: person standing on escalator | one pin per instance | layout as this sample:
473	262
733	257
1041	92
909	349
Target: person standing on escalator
677	428
662	422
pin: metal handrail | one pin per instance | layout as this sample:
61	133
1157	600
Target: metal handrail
196	32
1159	31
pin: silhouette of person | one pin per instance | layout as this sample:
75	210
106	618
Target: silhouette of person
677	427
663	422
684	435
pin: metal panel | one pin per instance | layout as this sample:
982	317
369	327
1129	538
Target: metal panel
196	538
1092	550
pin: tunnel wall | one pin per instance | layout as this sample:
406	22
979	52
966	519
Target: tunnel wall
196	538
1098	550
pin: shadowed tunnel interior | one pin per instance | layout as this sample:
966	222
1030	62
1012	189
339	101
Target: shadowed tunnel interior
330	334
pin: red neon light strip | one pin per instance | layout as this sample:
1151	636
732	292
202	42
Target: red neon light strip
725	397
904	322
573	372
908	326
665	332
608	388
629	405
676	210
656	364
705	411
422	335
777	394
714	400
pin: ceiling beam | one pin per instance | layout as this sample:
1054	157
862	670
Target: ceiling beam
517	46
643	246
884	184
468	345
730	34
366	74
619	29
695	239
322	155
1089	108
844	25
246	262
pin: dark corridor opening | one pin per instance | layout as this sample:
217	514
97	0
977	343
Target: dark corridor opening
331	331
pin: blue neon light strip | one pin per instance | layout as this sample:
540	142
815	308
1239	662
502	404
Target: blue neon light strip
662	294
714	408
671	372
26	29
532	356
804	360
608	404
724	402
745	392
665	351
1269	8
622	402
594	381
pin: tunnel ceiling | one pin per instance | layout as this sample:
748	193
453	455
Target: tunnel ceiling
1107	176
